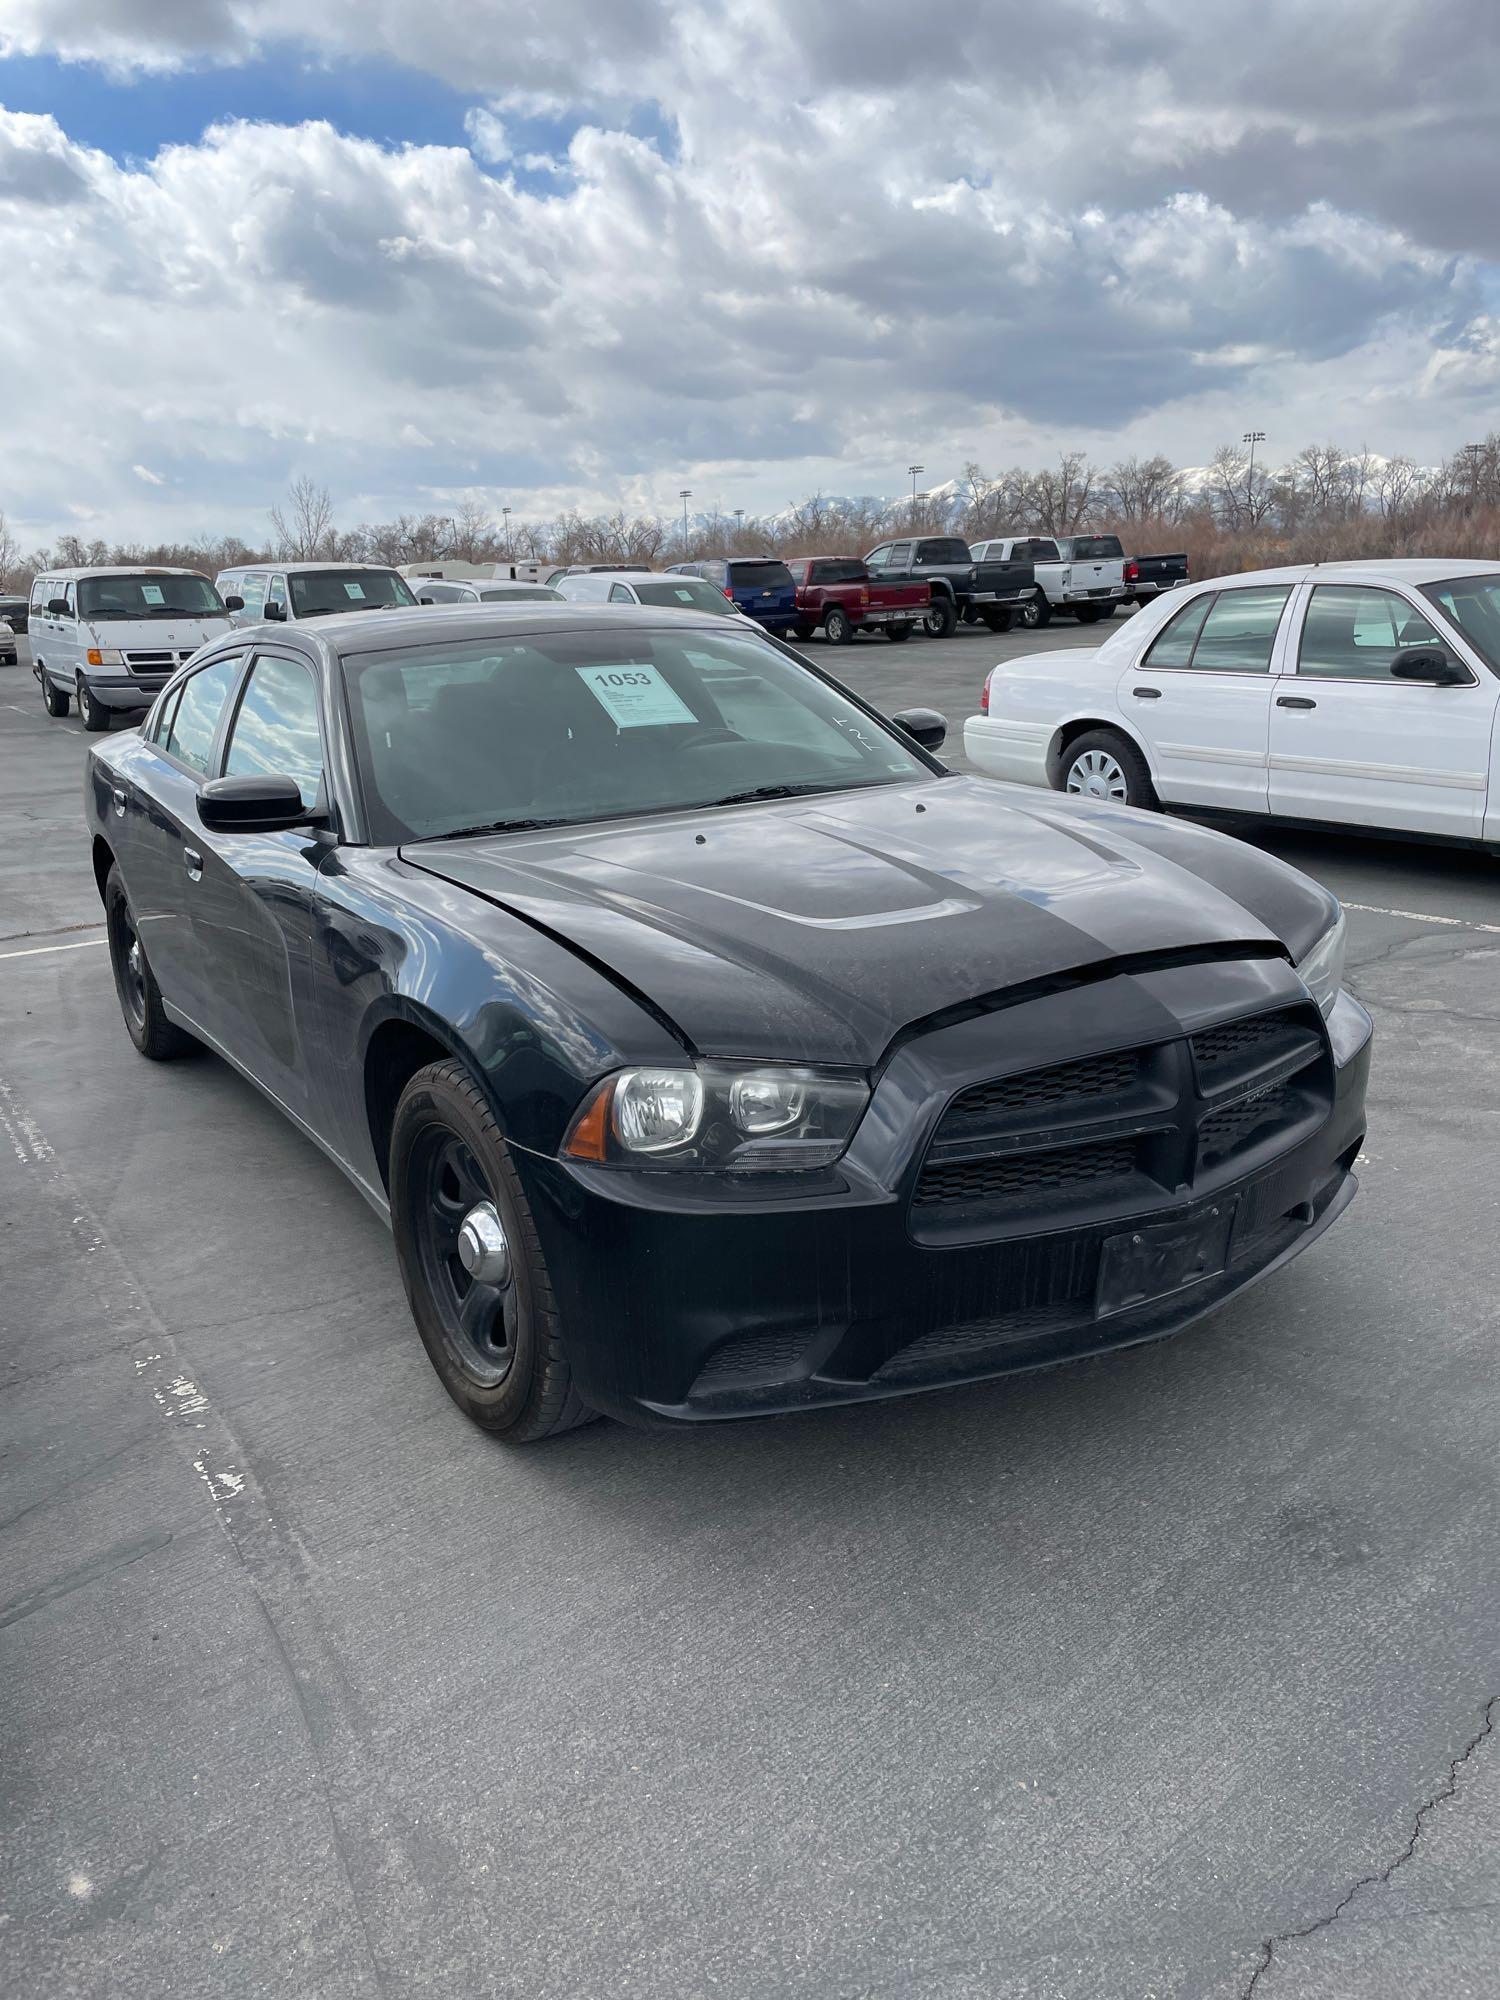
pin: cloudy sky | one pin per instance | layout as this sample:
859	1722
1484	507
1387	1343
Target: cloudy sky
585	252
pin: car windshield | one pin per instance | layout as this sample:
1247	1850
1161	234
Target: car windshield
1472	603
317	592
690	592
564	727
157	594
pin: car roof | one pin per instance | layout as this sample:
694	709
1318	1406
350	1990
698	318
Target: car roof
382	569
635	576
349	632
122	569
1373	569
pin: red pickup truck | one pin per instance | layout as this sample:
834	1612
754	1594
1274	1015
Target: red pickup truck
838	593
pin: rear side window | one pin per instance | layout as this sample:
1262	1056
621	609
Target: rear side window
191	736
1232	632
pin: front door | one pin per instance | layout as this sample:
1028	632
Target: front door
1353	745
252	916
164	843
1201	697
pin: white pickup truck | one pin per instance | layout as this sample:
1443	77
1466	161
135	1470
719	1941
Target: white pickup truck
1084	574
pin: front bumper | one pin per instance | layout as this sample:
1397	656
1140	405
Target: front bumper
689	1299
130	694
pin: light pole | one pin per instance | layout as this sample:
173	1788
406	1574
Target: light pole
914	470
1251	438
1473	453
684	494
505	516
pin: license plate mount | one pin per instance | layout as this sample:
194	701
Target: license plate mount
1150	1263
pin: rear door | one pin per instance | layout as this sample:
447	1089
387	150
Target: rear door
252	910
1352	744
1200	695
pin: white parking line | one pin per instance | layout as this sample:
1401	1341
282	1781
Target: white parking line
1422	917
41	950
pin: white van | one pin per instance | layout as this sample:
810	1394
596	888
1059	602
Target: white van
449	570
112	637
284	593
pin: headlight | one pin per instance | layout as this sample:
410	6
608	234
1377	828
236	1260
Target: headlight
105	656
1323	967
710	1116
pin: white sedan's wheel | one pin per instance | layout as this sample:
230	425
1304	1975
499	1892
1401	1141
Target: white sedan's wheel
1097	775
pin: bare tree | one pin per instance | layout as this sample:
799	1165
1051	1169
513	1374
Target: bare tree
1144	489
1398	484
305	531
10	551
1062	496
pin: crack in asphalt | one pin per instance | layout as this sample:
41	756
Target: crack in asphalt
1378	1876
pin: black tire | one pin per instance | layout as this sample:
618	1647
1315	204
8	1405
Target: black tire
1086	614
1115	750
139	995
504	1364
1107	610
56	701
838	629
942	620
803	630
897	633
92	714
1034	612
999	621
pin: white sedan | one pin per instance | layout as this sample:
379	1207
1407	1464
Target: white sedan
1353	694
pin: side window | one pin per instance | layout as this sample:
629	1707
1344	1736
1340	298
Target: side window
877	558
40	593
275	730
162	724
1174	644
618	594
899	556
1234	633
71	595
253	590
194	726
1357	634
277	594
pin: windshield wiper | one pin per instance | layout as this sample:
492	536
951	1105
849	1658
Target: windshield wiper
768	792
495	826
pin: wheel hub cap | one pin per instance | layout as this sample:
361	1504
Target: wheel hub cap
482	1247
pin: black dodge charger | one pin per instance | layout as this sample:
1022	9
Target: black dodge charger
710	1047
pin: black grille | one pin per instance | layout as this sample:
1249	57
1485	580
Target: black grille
948	1182
1078	1082
1232	1126
1231	1041
970	1342
751	1354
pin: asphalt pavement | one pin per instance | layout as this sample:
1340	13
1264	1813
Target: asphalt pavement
1162	1674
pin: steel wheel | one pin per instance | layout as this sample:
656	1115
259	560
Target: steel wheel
1095	774
465	1257
130	965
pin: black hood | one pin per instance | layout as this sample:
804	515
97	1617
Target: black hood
816	929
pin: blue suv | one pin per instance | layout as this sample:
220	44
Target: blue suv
760	586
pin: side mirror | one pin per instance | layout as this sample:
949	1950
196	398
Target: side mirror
234	603
57	607
275	614
1430	664
923	725
427	600
254	805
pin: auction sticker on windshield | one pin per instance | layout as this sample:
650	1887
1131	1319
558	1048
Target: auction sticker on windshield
152	592
636	697
354	590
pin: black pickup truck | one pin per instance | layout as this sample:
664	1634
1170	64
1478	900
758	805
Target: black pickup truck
1148	576
990	590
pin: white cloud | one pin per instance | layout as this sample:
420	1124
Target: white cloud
924	257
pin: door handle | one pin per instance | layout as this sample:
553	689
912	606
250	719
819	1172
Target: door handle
1294	701
1146	694
194	861
119	802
